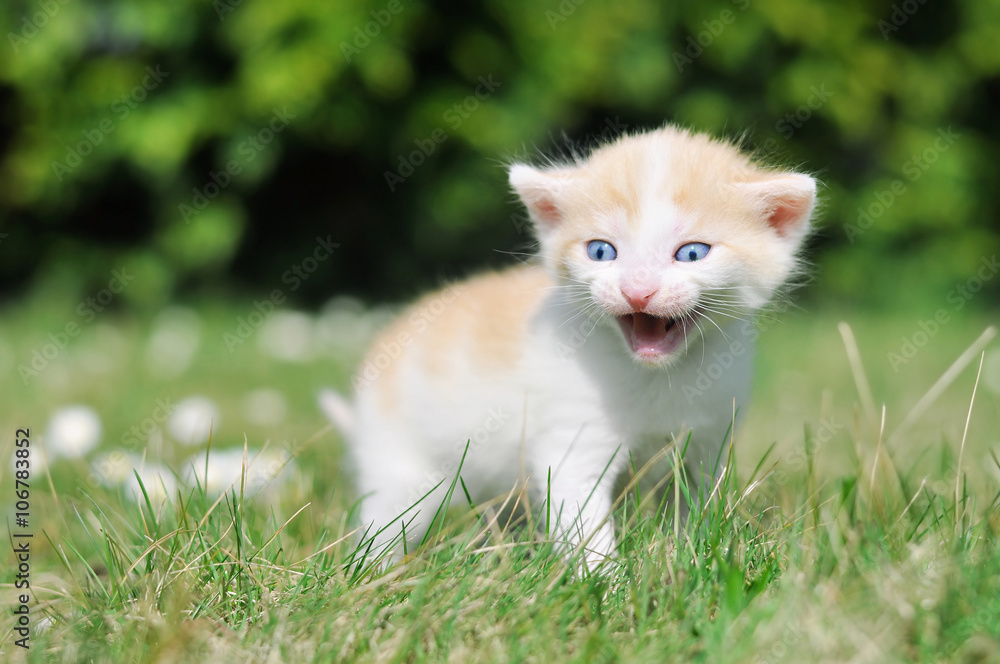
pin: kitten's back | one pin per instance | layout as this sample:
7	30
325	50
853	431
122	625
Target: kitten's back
479	324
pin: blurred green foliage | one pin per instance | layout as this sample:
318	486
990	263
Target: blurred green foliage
115	115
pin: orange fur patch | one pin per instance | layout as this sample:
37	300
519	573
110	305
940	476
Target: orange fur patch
482	321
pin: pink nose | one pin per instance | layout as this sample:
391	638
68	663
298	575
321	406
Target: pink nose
636	299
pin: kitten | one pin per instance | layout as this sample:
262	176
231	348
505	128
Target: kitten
631	330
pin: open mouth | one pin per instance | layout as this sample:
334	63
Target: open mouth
652	337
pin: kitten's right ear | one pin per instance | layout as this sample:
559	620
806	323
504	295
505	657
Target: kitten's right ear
539	191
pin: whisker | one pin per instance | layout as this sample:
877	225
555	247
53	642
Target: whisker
726	336
722	313
701	333
586	310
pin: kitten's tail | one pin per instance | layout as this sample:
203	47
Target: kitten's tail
338	410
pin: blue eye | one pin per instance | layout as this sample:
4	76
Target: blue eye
692	251
599	250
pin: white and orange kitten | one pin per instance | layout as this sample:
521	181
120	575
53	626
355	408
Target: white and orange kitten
654	252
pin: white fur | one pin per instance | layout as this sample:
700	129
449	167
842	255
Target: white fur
572	410
575	407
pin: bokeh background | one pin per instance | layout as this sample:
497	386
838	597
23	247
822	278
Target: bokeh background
174	176
865	97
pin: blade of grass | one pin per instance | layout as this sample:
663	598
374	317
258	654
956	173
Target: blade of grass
942	383
965	434
858	371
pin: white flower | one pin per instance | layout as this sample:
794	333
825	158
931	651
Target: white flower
72	432
342	328
267	468
114	468
224	470
172	345
192	420
288	336
264	407
220	473
104	350
157	480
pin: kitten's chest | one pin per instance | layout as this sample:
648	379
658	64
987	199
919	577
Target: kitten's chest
595	382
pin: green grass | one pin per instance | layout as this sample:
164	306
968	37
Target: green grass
829	542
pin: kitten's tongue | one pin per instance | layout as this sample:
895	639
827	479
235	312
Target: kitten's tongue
649	336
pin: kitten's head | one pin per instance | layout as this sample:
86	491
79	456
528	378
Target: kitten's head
671	234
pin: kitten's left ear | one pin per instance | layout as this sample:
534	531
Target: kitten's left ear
540	191
785	200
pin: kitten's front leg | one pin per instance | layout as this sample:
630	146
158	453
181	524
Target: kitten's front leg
580	494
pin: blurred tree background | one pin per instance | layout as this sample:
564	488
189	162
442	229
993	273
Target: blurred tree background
204	146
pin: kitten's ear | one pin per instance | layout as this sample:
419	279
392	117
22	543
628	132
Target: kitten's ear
539	191
786	201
